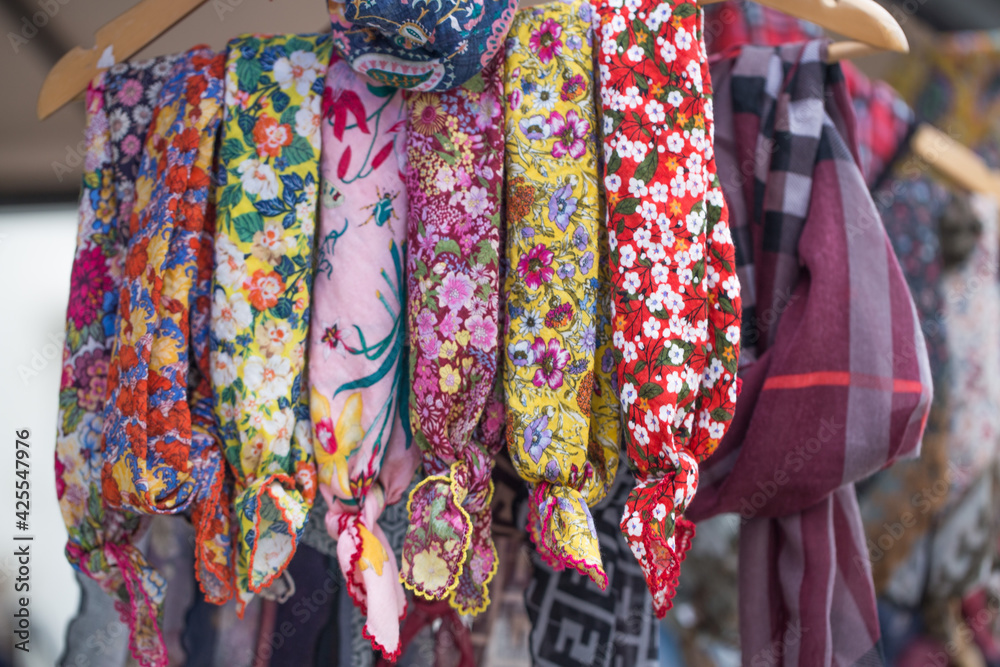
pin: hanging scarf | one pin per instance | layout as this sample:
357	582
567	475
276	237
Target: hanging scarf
161	450
454	181
263	274
834	372
357	362
423	45
101	539
677	301
563	417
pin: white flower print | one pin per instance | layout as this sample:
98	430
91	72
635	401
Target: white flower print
632	97
674	382
674	98
308	120
668	52
301	69
634	525
632	282
280	427
230	265
635	53
683	39
258	178
613	181
270	379
675	144
223	369
659	512
230	315
733	334
716	430
651	328
626	256
676	355
660	273
711	277
659	192
628	352
654	111
477	201
629	395
648	211
732	286
636	188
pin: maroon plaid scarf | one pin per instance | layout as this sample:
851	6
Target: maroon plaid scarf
835	377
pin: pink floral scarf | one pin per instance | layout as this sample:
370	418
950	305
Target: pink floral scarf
357	364
454	183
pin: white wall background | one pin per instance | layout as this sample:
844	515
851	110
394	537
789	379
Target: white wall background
36	254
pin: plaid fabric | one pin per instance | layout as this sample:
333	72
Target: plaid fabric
883	124
731	24
835	376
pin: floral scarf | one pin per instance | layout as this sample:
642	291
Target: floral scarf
357	357
268	184
454	181
420	45
101	539
563	414
161	450
677	299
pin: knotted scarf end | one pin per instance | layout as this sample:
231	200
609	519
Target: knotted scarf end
563	532
276	503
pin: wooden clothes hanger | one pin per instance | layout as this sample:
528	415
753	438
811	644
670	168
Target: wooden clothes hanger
862	20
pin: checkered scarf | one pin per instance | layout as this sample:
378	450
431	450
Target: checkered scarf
834	368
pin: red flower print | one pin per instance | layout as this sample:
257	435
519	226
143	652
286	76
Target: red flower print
536	267
177	178
572	132
109	489
271	136
559	317
326	436
551	359
197	85
188	140
89	283
337	104
545	41
265	287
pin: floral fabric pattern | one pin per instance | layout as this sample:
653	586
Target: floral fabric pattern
677	298
563	419
454	181
162	454
357	354
426	45
268	180
100	539
130	95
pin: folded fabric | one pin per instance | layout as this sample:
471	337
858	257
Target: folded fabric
268	189
574	625
162	453
834	369
357	354
421	45
101	539
454	182
563	417
677	299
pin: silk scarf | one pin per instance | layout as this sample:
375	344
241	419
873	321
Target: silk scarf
562	403
357	356
161	450
454	183
268	184
835	377
425	45
677	299
101	539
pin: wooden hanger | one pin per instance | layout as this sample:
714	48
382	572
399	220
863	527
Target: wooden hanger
954	161
861	20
